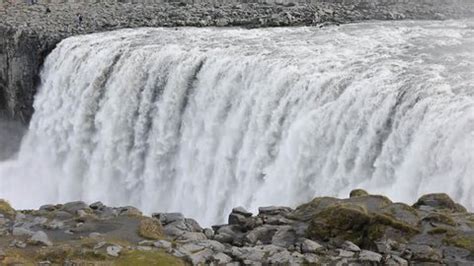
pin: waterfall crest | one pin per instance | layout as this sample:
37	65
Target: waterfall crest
203	120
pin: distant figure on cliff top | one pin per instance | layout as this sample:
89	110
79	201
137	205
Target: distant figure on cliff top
79	19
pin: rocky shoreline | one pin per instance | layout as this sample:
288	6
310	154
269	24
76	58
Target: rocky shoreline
361	230
29	32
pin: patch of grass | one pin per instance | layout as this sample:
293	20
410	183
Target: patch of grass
438	231
147	258
439	218
6	209
461	241
150	229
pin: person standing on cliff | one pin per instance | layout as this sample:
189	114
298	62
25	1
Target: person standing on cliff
79	19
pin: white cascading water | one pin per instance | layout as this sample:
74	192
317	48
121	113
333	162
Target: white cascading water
203	120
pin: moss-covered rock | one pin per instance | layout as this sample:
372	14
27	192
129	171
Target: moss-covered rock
307	211
358	193
6	209
343	221
353	222
439	218
150	228
439	201
460	240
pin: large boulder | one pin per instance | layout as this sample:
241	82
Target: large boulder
439	201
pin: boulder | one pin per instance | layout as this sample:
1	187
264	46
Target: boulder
348	245
167	218
422	253
221	258
285	236
73	207
241	211
439	201
263	234
113	250
22	231
150	229
370	256
40	238
97	206
358	193
310	246
274	210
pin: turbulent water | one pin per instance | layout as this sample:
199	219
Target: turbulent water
203	120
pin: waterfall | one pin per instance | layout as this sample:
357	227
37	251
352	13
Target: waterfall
203	120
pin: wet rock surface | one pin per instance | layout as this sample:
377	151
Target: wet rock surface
29	32
364	229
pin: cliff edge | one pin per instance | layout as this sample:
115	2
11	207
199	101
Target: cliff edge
29	32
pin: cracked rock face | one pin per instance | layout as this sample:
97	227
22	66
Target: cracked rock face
29	32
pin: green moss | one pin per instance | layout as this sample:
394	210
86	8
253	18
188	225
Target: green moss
358	193
345	221
150	229
461	241
438	231
6	209
439	201
439	218
353	222
147	258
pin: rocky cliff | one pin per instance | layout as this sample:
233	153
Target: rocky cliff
29	32
361	230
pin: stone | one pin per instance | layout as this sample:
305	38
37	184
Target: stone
192	225
310	246
422	253
221	258
73	207
274	210
348	245
264	234
54	225
235	218
40	238
284	257
242	211
358	193
311	258
191	236
228	234
21	231
144	248
95	235
167	218
370	256
97	206
163	244
113	250
208	232
48	207
439	201
285	236
129	211
100	245
200	257
344	253
394	260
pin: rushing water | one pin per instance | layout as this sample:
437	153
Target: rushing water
203	120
